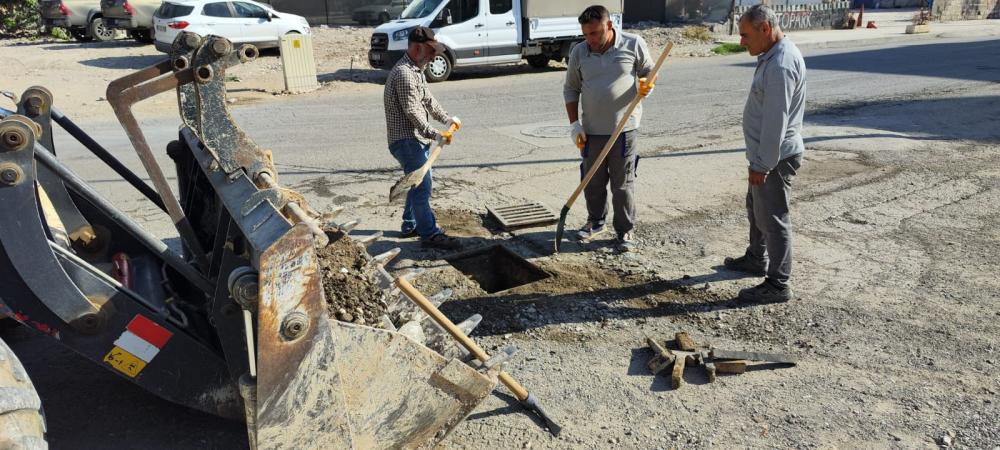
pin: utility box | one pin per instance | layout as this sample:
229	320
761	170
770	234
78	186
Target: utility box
298	64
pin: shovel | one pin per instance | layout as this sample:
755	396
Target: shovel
526	398
412	179
560	228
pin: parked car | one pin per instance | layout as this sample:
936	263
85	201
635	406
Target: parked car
133	16
379	12
483	32
241	22
81	18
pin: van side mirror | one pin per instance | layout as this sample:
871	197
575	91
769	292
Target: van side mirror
443	19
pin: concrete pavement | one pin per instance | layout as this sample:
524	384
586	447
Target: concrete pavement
891	29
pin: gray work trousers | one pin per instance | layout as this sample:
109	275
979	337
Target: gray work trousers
618	169
770	223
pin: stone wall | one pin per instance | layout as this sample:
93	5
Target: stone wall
807	17
947	10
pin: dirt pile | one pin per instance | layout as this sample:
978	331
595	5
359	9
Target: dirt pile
688	41
349	284
341	44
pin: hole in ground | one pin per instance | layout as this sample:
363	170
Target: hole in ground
496	268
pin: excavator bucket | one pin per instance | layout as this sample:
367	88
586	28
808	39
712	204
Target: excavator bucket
315	382
242	322
319	382
340	385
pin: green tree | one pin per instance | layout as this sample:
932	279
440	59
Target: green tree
19	18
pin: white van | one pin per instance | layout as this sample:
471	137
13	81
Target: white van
480	32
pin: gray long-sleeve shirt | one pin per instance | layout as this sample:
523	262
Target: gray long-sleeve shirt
772	117
605	83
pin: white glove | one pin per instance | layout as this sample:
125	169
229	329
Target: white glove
458	123
578	135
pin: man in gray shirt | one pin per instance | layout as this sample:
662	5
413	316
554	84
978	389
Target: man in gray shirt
601	82
772	129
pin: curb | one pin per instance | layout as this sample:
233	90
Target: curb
868	42
895	39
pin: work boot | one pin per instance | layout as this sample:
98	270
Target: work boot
746	265
589	231
407	233
766	292
441	241
627	242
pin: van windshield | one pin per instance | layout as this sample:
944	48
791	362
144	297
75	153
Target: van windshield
420	8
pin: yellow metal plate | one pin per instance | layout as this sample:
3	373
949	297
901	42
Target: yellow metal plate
124	362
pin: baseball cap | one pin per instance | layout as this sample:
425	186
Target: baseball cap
426	35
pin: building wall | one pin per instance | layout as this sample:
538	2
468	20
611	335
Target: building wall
814	16
966	9
320	12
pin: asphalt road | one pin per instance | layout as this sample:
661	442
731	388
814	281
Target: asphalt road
346	131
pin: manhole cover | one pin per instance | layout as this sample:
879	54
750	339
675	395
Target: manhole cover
548	131
496	268
523	215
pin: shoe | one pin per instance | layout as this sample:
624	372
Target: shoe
404	234
766	292
441	241
589	231
746	265
627	242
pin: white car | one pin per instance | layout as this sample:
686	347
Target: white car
242	22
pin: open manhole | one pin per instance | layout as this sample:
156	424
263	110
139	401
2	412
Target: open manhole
496	268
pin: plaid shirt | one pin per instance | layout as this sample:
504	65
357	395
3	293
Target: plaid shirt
408	104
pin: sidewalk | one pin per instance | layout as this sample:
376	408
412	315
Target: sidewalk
891	28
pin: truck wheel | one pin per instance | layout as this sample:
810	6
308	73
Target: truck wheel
538	61
81	35
98	31
439	69
21	422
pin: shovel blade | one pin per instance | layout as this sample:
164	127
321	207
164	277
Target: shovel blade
561	227
409	181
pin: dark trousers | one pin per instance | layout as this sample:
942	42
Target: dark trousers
618	169
770	223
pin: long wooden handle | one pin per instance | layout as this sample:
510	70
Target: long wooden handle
438	145
519	391
618	129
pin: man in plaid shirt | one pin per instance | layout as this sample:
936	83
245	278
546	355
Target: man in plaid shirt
408	105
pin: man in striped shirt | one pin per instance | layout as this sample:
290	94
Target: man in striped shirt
408	108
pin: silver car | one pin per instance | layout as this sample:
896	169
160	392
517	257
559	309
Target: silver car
83	19
133	16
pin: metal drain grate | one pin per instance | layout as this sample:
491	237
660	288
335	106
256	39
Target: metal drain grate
523	215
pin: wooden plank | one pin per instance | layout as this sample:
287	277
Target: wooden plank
684	342
731	367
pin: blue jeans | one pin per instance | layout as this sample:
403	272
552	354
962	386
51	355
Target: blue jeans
417	215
